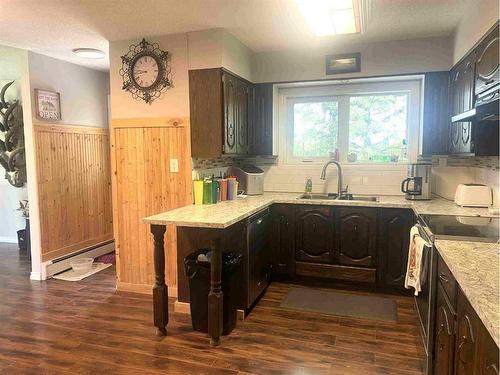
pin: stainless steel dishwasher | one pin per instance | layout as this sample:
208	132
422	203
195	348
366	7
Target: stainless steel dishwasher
258	255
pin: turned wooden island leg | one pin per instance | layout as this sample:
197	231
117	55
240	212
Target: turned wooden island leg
215	296
160	291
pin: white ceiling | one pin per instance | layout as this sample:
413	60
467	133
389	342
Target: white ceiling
55	27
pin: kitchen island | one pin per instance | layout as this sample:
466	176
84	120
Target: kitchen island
215	221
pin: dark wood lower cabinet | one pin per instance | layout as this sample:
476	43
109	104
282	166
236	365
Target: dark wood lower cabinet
314	234
466	340
394	239
282	239
444	342
462	344
357	236
488	358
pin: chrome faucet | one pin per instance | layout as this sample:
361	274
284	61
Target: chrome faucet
339	178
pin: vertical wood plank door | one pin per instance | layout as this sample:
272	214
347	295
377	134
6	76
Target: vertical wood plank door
143	186
74	188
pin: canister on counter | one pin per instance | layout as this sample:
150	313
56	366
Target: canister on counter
198	192
207	191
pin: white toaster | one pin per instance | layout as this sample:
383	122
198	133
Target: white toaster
473	195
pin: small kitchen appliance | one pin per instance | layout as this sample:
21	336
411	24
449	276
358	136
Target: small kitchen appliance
473	195
418	184
250	178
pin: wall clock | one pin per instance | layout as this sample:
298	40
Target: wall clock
146	71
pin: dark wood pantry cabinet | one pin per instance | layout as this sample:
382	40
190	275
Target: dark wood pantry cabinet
444	343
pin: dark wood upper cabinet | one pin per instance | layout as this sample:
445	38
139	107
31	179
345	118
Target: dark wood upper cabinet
314	233
444	342
487	64
394	239
229	115
435	132
262	128
282	239
206	112
357	236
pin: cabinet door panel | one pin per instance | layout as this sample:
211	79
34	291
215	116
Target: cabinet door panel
444	342
262	124
314	234
282	236
394	239
487	65
488	355
466	340
230	114
357	236
242	117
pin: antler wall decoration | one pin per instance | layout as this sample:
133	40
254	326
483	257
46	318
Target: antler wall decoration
12	156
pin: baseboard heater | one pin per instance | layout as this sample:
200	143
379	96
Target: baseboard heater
62	263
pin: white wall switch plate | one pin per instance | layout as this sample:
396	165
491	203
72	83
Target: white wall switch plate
174	165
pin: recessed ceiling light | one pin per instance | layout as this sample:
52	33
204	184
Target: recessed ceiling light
330	17
89	53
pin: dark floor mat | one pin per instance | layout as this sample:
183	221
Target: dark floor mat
338	303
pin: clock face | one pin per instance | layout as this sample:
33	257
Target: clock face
145	71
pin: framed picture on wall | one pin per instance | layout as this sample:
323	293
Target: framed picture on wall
343	63
47	105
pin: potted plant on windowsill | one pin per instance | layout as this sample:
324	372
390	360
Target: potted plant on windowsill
23	235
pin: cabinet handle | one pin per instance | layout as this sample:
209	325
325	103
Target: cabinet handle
460	347
443	278
355	227
493	367
259	221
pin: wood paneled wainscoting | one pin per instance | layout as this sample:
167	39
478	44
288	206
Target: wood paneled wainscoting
74	188
143	185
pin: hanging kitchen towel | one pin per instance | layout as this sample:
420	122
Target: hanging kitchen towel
415	261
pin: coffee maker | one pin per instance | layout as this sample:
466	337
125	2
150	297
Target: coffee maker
418	184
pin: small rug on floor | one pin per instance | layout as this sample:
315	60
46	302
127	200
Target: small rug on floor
340	303
71	275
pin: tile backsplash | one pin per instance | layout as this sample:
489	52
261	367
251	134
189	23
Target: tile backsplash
364	178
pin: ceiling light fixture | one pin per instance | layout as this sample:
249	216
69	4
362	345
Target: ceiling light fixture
331	17
89	53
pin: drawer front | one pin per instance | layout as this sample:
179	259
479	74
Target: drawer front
448	282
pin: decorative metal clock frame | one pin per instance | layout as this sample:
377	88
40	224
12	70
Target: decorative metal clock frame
164	79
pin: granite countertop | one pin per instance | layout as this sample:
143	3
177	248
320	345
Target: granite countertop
224	214
475	266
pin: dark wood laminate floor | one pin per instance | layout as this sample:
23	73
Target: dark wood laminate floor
58	327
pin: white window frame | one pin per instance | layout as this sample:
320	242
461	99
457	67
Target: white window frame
290	94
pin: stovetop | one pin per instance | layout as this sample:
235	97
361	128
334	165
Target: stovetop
465	228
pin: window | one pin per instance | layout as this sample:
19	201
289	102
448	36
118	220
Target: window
378	127
315	127
366	123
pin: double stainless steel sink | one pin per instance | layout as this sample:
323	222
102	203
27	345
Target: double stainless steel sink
343	197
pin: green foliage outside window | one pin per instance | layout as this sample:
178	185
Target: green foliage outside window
315	128
377	128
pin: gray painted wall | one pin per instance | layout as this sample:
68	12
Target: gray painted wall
83	91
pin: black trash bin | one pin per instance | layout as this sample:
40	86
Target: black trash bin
198	273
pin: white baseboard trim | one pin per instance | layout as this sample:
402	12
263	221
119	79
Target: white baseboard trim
8	239
36	276
55	266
